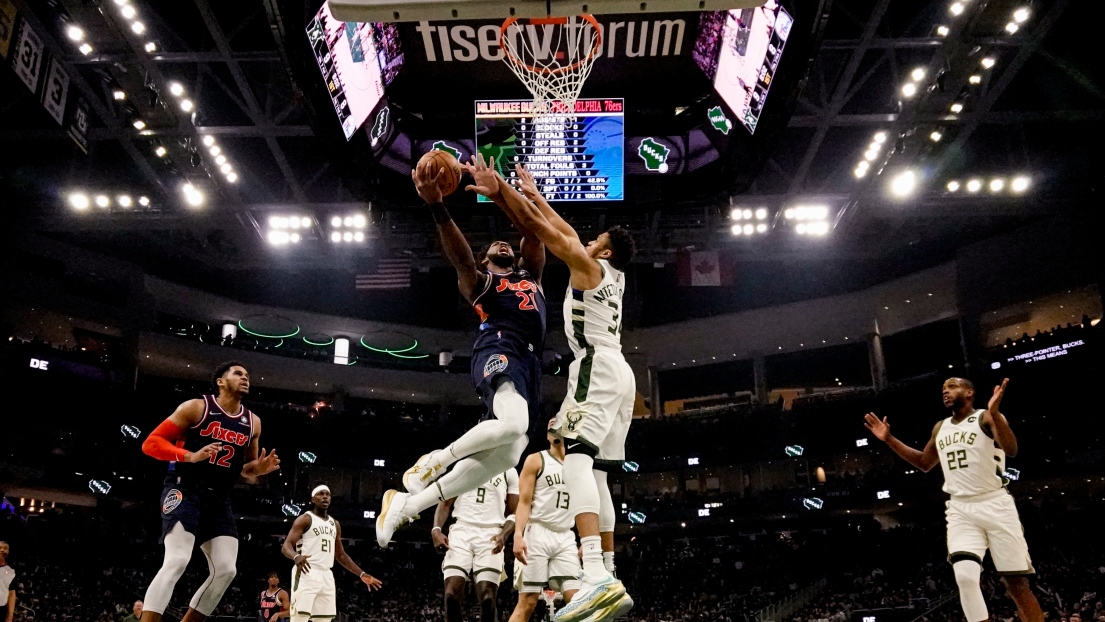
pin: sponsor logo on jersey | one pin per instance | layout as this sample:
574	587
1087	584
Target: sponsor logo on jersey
495	364
573	418
172	500
216	431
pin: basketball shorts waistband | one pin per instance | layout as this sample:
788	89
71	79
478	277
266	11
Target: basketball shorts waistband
986	496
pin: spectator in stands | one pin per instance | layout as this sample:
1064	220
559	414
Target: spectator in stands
7	590
136	614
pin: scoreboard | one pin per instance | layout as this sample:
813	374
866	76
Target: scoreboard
573	158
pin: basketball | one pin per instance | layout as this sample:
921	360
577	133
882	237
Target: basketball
444	161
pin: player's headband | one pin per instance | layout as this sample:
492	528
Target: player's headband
319	489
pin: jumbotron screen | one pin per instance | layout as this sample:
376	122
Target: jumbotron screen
578	158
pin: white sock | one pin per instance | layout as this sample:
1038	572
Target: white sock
592	556
608	561
511	420
468	474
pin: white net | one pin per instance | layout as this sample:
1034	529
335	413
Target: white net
553	59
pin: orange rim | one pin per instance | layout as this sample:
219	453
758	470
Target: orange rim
544	21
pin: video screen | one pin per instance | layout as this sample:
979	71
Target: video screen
739	51
357	61
580	158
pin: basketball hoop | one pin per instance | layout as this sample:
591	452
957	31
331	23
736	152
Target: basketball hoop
553	57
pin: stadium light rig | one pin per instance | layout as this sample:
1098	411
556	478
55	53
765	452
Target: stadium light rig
1019	184
749	221
286	229
904	184
811	220
871	154
348	228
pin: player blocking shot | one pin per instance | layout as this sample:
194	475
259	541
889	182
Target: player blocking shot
598	407
970	446
209	443
474	545
544	545
314	544
506	358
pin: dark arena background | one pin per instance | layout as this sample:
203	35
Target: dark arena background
898	193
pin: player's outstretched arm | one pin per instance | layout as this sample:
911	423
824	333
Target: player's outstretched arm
527	482
922	459
441	516
162	442
1003	434
299	525
488	183
339	556
527	185
453	245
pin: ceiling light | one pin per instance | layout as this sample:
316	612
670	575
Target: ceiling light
736	230
295	238
880	137
358	237
335	221
801	228
917	74
220	160
335	237
277	222
278	238
747	214
177	90
761	214
192	195
748	229
85	49
1011	28
974	185
348	221
160	151
1020	184
118	94
953	186
186	105
78	200
817	228
975	79
144	201
860	171
935	136
871	154
214	149
151	47
909	89
138	28
957	108
942	31
232	177
956	8
124	200
1021	15
102	200
306	222
128	11
904	184
736	214
788	213
139	124
347	236
225	168
761	228
997	184
359	221
988	62
74	32
293	222
876	147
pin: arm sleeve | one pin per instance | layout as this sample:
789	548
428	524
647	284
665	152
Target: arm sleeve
161	443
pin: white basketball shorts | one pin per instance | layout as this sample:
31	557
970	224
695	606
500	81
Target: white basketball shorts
988	521
552	560
470	555
598	407
313	594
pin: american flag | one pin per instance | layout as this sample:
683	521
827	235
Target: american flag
389	274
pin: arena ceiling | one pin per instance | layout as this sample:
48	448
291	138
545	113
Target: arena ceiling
1035	111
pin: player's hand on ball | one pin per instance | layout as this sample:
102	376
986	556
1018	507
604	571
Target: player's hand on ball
206	453
520	550
301	564
995	401
441	541
485	176
425	183
372	582
879	427
527	185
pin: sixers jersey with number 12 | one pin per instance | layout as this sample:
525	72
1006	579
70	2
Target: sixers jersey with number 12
511	303
223	469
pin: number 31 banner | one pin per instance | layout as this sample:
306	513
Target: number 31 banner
27	59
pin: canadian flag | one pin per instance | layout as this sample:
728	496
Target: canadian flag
704	269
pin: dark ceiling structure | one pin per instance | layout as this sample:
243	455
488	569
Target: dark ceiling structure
996	94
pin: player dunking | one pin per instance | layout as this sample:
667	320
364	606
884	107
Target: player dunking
209	443
506	358
544	545
314	544
598	408
474	547
274	600
971	446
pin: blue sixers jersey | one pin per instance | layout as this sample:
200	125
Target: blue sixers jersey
511	305
223	469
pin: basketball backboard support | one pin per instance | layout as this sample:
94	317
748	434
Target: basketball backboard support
440	10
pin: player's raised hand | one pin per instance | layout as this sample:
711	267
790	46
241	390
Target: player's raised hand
441	541
520	550
266	463
879	427
425	183
995	400
206	453
527	185
485	176
372	582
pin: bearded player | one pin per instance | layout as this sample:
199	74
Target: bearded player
209	443
506	358
598	408
971	446
314	544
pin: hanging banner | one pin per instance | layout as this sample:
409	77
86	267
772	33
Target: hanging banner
27	60
56	91
78	123
7	25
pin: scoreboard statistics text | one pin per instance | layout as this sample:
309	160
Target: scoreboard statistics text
573	158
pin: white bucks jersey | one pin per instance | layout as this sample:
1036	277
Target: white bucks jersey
486	506
593	318
551	503
318	542
972	462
